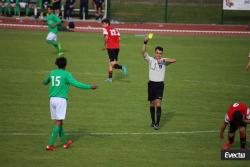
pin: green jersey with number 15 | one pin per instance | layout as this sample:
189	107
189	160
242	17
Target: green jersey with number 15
59	81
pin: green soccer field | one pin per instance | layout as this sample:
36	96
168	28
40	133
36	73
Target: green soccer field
110	126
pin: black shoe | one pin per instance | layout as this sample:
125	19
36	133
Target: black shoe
156	127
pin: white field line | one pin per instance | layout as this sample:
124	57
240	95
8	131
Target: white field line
111	133
115	133
24	25
167	31
136	29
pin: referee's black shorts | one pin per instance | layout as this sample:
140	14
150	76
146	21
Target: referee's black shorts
155	90
233	126
113	54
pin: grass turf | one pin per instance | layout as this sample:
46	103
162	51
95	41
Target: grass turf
177	13
110	126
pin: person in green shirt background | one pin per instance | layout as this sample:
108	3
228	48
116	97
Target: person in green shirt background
53	22
2	6
23	4
13	5
59	81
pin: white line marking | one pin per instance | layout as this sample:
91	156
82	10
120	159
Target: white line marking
114	133
169	31
111	133
97	29
24	25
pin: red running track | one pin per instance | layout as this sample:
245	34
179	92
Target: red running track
143	28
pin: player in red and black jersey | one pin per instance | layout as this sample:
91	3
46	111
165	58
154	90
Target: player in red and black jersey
112	45
237	116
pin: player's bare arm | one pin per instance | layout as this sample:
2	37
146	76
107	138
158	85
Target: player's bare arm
143	50
105	38
169	60
223	127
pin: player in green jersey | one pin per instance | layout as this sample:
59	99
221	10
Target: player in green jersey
59	81
53	22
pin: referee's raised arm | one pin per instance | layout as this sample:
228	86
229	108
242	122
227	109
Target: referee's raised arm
143	50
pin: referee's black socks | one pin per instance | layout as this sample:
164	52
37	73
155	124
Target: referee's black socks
152	111
155	114
158	115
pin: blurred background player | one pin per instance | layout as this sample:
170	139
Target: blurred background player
237	117
43	5
112	45
24	5
13	6
157	67
53	22
68	9
248	64
84	9
32	4
2	6
56	7
98	8
59	80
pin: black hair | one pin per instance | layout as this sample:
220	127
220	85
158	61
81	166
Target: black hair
159	48
106	21
237	117
61	62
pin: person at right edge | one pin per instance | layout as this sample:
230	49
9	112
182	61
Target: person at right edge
237	117
157	67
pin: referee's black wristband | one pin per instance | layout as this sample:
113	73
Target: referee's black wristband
145	42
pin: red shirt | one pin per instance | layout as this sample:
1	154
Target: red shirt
243	108
113	37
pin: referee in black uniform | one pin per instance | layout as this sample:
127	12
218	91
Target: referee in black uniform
157	67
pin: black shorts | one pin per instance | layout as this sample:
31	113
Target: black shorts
155	90
233	127
113	54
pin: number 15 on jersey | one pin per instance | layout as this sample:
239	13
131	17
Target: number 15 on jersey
55	80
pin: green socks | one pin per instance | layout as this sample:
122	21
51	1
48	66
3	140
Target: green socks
62	136
54	43
57	45
57	130
54	134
